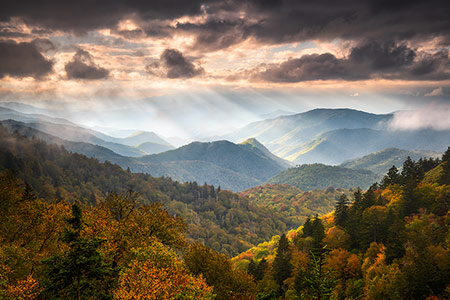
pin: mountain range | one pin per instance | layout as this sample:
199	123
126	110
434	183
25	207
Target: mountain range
221	163
354	140
138	144
332	136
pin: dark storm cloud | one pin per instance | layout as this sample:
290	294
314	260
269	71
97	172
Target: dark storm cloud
368	60
382	56
83	67
230	21
22	60
274	22
216	34
173	64
84	15
292	20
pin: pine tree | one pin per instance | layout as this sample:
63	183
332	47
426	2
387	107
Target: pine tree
340	213
282	267
315	282
318	234
81	272
261	269
392	177
251	269
412	172
307	228
445	177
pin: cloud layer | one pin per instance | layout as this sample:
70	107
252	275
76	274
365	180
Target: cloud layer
82	66
225	22
386	60
238	43
23	60
434	116
173	64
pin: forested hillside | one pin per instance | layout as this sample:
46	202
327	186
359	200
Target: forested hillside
118	248
319	176
239	166
389	242
381	161
298	204
225	221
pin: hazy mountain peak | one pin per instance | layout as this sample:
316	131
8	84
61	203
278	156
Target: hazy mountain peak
254	142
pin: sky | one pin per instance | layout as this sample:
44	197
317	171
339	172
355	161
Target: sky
186	68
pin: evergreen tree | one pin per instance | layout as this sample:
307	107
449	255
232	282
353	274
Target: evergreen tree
392	177
251	269
261	269
257	270
340	213
395	238
357	200
212	192
315	229
29	194
445	177
318	234
307	228
81	272
412	172
368	198
315	282
282	267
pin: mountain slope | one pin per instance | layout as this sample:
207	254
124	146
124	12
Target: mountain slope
7	114
253	162
154	148
79	134
253	143
135	139
297	203
144	137
339	145
379	162
198	171
319	176
90	150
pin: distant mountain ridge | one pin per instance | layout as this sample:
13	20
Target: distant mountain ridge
253	162
285	135
234	167
339	145
69	131
332	136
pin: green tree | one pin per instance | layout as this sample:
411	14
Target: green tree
340	213
392	177
282	267
445	177
315	282
261	269
81	272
